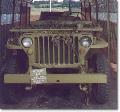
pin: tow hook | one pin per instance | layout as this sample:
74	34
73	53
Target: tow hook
85	90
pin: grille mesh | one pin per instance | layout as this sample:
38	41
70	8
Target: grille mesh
49	50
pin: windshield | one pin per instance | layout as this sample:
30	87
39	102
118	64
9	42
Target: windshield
40	6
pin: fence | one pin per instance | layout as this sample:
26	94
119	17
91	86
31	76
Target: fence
12	13
100	11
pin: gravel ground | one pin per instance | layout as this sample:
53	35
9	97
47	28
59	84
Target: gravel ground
61	97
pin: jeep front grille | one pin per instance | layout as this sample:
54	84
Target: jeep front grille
56	50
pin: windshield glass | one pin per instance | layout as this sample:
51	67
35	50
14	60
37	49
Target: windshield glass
39	6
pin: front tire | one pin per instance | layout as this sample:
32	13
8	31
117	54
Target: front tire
11	93
100	92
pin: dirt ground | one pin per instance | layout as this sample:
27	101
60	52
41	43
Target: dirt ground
62	97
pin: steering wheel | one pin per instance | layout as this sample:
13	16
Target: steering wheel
80	15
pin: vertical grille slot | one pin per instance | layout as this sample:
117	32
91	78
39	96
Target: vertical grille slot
66	54
44	50
61	52
76	50
48	50
56	54
36	51
41	50
53	54
51	49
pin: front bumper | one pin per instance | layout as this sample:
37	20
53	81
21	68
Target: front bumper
56	78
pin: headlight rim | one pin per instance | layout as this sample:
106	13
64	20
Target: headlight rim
23	43
87	39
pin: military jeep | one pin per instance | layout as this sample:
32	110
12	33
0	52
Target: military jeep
59	48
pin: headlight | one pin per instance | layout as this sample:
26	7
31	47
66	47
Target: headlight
85	41
27	42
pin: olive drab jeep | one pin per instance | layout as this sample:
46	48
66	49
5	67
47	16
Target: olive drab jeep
59	48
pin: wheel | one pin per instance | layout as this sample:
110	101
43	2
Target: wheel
1	79
11	93
100	92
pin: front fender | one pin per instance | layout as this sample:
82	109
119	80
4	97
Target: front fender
101	43
13	46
